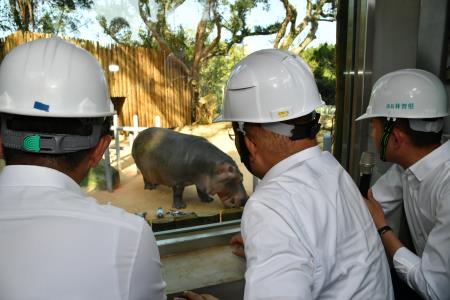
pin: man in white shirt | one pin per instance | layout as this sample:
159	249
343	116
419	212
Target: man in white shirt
57	243
406	110
306	230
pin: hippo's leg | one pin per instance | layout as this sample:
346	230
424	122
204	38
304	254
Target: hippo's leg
149	185
203	196
178	197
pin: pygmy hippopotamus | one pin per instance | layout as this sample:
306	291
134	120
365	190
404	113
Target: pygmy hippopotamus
177	160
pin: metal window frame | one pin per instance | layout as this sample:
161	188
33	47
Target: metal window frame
193	238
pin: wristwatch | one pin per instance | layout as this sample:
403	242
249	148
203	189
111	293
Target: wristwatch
382	230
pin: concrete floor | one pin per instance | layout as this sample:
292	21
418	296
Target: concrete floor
225	291
211	269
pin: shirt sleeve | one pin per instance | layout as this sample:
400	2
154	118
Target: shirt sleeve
146	280
278	266
388	191
430	274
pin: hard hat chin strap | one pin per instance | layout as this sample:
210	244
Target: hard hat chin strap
388	126
308	130
243	150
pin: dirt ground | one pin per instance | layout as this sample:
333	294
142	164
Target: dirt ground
132	197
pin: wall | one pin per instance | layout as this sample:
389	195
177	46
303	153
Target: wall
395	47
387	35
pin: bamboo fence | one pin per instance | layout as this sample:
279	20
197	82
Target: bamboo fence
147	83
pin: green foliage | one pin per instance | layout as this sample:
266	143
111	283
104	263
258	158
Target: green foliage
118	28
237	22
322	61
51	16
182	44
179	40
214	75
5	17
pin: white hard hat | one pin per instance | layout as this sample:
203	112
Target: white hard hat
269	86
53	78
407	93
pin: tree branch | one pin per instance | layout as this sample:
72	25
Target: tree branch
236	39
314	20
200	38
216	40
326	20
314	13
30	6
104	24
284	24
143	9
15	14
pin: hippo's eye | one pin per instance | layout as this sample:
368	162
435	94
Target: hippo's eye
230	169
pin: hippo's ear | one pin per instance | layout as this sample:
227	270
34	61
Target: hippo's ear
221	167
225	170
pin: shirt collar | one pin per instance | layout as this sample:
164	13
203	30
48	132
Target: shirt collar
431	161
291	161
26	175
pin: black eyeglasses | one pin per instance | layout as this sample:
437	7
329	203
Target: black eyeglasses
231	134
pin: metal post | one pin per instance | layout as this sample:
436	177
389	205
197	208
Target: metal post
135	132
135	129
116	138
327	142
157	121
108	173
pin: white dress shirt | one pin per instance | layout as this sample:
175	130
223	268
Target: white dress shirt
425	194
308	235
56	243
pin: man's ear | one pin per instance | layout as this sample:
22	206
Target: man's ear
397	139
251	146
99	150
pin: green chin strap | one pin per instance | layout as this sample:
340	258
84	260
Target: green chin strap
388	126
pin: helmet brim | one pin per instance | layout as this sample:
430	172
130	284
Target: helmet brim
57	114
364	116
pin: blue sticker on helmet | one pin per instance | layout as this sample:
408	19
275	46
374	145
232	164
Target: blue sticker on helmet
41	106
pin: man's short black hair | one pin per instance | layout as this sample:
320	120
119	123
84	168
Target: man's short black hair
419	139
74	126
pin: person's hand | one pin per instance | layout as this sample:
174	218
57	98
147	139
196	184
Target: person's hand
237	243
376	211
194	296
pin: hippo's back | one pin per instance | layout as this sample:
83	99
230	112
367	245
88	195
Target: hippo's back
161	142
164	156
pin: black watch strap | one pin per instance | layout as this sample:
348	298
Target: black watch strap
383	230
